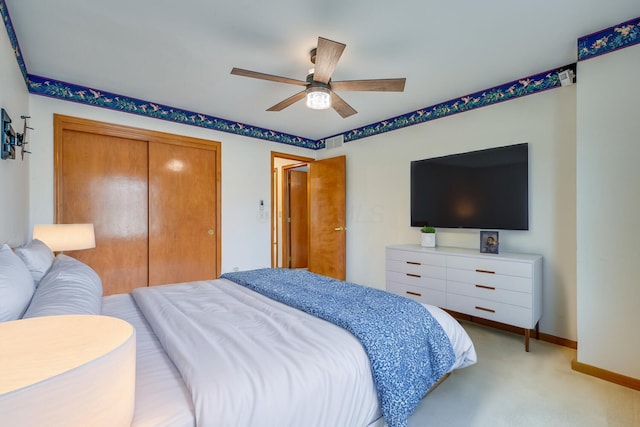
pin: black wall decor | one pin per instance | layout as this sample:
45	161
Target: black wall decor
7	138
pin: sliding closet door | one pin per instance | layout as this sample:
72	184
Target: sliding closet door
182	213
102	179
154	200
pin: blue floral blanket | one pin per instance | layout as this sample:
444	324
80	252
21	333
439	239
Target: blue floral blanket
407	347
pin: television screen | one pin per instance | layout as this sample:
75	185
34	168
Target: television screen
479	189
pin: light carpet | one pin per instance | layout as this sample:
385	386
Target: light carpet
509	387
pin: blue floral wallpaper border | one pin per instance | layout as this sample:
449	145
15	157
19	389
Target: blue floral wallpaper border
84	95
601	42
13	39
505	92
613	38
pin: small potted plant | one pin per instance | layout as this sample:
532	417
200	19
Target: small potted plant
428	236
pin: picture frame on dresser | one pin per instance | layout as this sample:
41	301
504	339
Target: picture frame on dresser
489	242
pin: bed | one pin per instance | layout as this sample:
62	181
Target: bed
242	351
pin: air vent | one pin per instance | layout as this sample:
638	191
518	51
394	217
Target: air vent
334	142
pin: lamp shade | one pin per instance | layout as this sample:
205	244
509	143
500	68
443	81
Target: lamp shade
67	370
65	237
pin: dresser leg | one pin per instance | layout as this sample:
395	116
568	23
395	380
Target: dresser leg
527	332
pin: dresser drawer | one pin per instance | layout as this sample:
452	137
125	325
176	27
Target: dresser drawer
416	293
504	288
417	258
418	281
498	312
520	299
496	266
422	270
501	281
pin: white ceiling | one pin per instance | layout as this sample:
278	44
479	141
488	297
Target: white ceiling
180	53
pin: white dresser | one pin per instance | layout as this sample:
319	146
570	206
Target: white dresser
505	288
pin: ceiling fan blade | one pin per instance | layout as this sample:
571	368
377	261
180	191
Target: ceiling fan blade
379	85
328	53
263	76
345	110
291	100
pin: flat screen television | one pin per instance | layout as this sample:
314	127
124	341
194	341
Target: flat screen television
486	189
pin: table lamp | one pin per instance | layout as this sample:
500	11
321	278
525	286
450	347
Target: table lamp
65	237
67	371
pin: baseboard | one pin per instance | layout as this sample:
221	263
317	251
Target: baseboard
593	371
513	329
559	341
603	374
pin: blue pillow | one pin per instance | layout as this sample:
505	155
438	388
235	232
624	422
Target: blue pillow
16	285
70	287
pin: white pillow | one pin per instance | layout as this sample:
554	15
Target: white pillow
16	285
38	258
70	287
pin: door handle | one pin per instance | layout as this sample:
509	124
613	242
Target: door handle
340	229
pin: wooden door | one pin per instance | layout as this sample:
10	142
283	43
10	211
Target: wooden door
327	217
102	179
182	213
102	175
298	219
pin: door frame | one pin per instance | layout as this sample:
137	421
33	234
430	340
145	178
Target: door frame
286	211
277	205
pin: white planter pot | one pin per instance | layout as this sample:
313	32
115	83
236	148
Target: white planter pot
428	240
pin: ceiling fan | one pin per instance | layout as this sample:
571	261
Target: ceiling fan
319	89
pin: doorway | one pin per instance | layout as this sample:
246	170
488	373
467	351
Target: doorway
296	212
289	236
308	199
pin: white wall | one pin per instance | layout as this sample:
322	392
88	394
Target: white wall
378	187
378	192
246	165
14	174
608	208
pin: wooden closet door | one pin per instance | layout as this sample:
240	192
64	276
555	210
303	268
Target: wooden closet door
182	213
102	180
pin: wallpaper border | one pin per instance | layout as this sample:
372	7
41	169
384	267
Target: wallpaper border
613	38
610	39
13	39
70	92
508	91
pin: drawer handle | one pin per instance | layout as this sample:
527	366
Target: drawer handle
485	271
413	263
414	293
491	288
485	309
413	275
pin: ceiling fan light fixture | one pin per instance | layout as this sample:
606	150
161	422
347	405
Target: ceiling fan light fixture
320	90
318	98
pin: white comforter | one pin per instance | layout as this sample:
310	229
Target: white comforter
250	361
